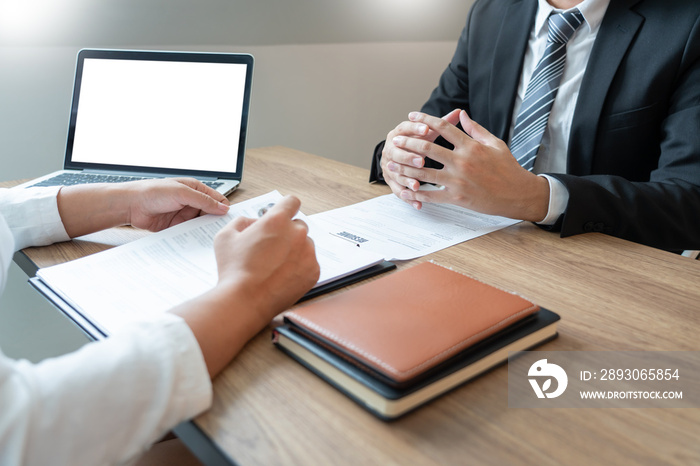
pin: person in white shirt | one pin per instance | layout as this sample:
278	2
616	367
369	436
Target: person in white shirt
109	401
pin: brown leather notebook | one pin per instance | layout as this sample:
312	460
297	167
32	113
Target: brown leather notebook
406	323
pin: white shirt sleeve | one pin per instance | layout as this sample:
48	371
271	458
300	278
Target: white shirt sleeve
32	216
558	199
107	402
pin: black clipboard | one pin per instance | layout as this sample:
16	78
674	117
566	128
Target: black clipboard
382	267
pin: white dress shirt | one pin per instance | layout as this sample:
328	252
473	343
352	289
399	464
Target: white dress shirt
552	155
107	402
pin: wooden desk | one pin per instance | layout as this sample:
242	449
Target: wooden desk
610	293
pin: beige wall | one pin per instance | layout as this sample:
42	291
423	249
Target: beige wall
334	100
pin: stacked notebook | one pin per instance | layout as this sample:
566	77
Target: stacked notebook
398	342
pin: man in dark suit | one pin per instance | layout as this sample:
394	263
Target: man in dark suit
620	153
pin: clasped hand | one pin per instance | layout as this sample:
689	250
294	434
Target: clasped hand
480	173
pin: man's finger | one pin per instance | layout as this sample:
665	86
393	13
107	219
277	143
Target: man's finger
397	155
429	134
453	116
421	149
440	126
411	177
420	197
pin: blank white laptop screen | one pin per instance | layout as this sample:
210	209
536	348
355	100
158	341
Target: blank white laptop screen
168	114
149	114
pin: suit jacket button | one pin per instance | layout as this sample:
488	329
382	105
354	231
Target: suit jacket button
599	227
588	227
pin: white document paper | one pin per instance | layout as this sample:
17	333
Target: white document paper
389	226
164	269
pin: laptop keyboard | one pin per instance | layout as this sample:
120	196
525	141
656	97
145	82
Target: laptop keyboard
68	179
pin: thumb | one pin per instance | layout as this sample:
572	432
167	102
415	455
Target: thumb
241	223
453	116
287	207
476	131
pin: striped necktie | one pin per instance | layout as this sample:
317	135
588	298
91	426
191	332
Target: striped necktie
542	89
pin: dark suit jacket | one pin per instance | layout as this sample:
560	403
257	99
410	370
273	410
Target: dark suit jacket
634	149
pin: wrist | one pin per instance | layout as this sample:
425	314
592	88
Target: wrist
125	196
558	200
251	312
537	204
88	208
222	320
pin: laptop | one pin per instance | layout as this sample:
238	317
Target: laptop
153	114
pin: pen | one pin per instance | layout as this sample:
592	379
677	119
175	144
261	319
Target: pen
263	210
354	239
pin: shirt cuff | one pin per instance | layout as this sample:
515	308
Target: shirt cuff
192	389
375	169
558	199
32	215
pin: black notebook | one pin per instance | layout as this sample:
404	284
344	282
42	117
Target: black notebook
387	401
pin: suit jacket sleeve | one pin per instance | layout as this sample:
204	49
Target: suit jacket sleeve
644	184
